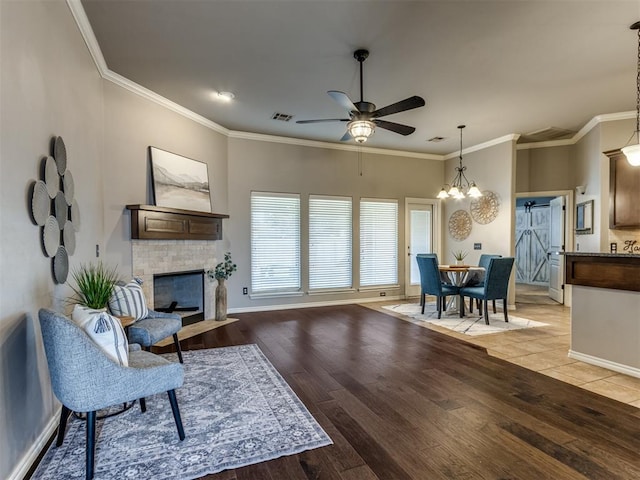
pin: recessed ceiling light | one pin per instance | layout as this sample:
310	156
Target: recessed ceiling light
225	96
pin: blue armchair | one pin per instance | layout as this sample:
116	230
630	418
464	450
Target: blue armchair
431	283
496	286
155	327
85	379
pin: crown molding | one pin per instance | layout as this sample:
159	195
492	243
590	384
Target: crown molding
334	146
512	137
80	17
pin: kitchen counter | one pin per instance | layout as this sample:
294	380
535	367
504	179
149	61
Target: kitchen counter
605	309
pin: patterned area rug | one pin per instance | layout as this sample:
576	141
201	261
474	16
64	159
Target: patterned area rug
469	325
236	409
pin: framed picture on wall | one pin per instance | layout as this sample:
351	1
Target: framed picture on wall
179	182
584	218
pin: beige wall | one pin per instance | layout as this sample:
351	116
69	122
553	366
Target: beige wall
50	86
131	125
492	169
545	169
275	167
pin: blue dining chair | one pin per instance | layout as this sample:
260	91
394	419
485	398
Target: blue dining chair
485	258
431	284
495	287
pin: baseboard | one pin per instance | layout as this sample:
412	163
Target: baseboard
22	468
608	364
330	303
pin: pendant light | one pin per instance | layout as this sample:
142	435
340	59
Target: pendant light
460	186
632	152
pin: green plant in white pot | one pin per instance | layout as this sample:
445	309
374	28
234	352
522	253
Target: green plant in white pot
459	255
93	287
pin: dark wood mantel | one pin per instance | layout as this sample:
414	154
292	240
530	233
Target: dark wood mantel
150	222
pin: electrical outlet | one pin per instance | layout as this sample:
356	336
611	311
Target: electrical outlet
97	251
245	291
383	294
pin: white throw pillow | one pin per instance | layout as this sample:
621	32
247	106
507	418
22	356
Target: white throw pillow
128	301
106	331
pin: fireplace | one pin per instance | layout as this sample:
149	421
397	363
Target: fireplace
181	293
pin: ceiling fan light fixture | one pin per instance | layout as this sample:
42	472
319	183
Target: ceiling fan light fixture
360	130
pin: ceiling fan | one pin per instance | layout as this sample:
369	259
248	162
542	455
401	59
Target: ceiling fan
363	116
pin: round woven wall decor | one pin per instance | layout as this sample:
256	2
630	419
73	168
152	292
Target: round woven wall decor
460	225
484	209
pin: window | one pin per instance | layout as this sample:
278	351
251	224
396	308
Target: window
330	242
275	242
378	242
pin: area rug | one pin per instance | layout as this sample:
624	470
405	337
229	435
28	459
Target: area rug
194	329
469	325
236	409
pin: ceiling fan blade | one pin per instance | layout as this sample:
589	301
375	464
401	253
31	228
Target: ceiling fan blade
401	106
343	100
395	127
346	137
325	120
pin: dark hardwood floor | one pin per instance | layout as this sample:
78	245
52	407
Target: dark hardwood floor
404	402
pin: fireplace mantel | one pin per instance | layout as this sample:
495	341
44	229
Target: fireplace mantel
150	222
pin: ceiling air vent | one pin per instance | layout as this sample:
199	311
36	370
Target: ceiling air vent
546	135
436	139
283	117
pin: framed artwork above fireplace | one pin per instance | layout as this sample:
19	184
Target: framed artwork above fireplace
179	182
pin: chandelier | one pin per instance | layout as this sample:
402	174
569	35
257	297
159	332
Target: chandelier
360	130
460	186
632	152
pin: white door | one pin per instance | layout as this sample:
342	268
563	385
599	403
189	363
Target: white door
419	238
556	249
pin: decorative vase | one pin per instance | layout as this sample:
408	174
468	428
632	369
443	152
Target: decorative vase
221	300
459	262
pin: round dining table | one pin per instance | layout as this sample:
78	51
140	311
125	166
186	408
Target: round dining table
460	276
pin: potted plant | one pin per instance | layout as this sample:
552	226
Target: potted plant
94	285
459	255
221	273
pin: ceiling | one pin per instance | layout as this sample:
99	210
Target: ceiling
500	67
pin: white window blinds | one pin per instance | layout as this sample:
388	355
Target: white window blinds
378	242
275	242
330	240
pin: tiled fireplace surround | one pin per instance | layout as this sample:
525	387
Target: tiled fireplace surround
151	257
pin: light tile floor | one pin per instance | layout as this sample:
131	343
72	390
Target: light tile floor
544	350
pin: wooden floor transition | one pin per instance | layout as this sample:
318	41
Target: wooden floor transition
405	402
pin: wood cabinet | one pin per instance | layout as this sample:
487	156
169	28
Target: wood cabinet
149	222
624	191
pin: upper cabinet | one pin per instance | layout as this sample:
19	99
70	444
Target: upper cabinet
624	192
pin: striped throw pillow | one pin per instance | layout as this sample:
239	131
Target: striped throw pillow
128	301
